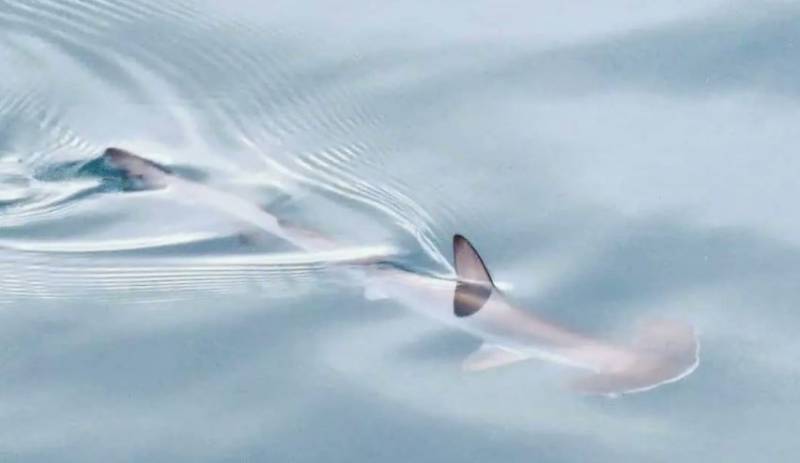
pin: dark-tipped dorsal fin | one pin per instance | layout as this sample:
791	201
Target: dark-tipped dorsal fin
474	285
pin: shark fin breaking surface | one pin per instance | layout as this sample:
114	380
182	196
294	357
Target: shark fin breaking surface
145	173
474	285
127	161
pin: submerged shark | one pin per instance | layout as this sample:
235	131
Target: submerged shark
663	351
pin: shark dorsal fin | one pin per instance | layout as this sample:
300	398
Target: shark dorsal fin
474	285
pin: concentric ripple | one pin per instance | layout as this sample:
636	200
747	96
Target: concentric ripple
233	101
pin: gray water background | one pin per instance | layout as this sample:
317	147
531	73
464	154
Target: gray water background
611	161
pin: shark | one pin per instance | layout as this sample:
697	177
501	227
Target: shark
662	351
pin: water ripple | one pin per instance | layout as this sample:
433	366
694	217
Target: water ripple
253	113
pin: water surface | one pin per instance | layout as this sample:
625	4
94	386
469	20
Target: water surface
610	161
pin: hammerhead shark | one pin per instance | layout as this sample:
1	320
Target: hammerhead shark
664	351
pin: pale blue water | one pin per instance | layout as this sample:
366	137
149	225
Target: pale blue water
610	161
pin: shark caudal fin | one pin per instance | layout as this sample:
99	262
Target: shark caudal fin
665	351
474	285
142	172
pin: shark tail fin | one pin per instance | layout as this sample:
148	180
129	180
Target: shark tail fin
144	173
664	351
474	285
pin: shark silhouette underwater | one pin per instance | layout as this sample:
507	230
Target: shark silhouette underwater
663	351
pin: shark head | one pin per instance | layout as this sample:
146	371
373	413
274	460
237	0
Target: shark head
143	173
663	351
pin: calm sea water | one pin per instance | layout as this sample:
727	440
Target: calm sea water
611	161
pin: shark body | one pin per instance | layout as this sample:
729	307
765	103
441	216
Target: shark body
664	351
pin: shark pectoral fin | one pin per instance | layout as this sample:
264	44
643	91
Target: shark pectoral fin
491	356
